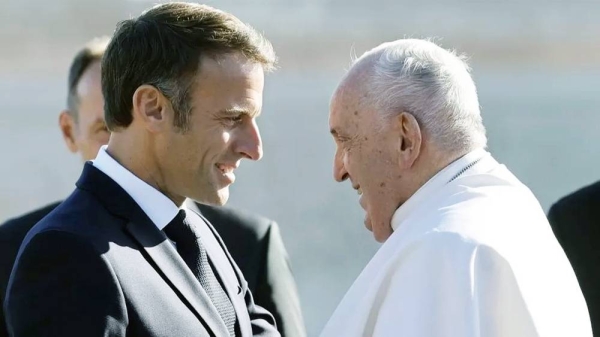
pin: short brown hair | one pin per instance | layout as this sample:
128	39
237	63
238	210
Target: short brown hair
163	48
90	53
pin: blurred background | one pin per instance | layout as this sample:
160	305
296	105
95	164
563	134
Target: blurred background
536	64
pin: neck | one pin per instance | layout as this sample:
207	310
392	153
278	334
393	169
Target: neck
136	155
430	163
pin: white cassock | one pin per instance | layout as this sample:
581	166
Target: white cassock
472	255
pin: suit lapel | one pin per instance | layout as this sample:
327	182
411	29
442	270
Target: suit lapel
223	265
174	269
153	242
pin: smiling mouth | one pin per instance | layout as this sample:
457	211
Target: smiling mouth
227	172
226	168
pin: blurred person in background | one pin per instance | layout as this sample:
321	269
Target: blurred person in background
575	220
254	242
132	287
467	250
84	131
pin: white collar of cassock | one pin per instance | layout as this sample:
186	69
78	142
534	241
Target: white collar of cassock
473	161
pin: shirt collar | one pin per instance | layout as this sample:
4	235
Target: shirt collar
443	177
160	209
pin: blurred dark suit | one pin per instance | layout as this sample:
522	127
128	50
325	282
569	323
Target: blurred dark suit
256	246
254	243
575	220
12	234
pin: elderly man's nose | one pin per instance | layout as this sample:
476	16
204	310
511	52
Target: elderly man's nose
339	170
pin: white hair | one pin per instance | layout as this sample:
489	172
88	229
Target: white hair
432	84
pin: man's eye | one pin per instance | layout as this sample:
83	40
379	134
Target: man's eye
234	120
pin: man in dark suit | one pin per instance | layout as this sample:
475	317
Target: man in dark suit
575	220
100	263
253	241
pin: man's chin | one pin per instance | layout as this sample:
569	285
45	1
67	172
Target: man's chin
220	197
215	198
381	233
367	223
382	236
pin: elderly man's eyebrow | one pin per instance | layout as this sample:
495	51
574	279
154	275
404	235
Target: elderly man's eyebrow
337	134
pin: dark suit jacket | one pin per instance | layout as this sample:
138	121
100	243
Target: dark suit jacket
256	246
575	220
254	243
98	266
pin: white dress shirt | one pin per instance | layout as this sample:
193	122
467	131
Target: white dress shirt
160	209
471	255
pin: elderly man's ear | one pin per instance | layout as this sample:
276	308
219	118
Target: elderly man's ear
409	139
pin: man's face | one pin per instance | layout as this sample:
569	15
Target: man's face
367	156
226	98
88	133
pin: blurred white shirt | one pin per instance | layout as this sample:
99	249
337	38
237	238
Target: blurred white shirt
472	255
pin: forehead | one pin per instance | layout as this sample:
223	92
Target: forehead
90	108
229	80
229	67
90	81
347	112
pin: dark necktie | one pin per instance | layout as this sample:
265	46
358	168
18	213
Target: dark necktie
192	251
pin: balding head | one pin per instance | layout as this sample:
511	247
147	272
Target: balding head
431	83
404	110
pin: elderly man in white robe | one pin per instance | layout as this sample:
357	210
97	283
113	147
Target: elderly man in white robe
467	250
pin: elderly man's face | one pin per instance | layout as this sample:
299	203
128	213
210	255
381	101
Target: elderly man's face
366	154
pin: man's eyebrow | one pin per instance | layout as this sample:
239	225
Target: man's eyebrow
240	111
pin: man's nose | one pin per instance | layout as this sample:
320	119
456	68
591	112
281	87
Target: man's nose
250	146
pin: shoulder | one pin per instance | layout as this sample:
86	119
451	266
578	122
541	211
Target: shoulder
441	255
421	263
582	202
432	245
26	221
13	231
82	215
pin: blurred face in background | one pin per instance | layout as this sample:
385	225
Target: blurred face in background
84	130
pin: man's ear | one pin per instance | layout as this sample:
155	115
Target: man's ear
150	107
410	139
68	128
